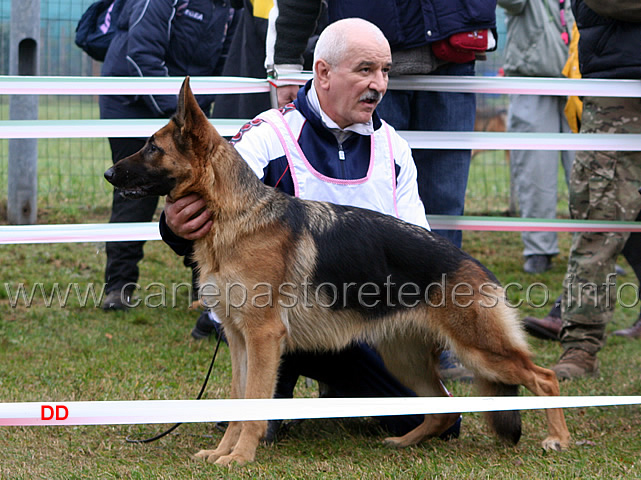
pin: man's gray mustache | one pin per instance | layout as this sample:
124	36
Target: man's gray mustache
372	95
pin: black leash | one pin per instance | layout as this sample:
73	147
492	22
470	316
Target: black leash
200	394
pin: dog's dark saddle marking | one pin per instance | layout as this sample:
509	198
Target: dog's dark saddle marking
374	263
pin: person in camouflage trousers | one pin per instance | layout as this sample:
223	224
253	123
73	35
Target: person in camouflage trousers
603	186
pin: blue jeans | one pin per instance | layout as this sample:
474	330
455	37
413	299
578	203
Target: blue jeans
442	174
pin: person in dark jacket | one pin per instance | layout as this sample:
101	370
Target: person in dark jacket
603	186
330	145
419	33
156	38
247	51
247	54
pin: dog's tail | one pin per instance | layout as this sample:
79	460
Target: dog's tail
506	424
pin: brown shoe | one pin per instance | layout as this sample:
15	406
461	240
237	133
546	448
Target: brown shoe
633	332
575	363
547	328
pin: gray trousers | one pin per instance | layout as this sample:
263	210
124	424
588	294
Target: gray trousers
534	173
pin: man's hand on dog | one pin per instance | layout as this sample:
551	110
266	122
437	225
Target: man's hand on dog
187	217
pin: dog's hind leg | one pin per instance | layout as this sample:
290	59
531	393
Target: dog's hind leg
413	361
543	382
489	339
518	369
433	426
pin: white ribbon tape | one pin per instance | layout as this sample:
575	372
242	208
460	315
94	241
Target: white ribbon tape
74	233
503	224
423	140
502	85
520	85
189	411
522	141
99	128
120	232
28	85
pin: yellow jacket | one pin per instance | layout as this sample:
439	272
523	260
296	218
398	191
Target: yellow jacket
574	106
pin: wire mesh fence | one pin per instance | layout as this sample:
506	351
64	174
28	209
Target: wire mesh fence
70	170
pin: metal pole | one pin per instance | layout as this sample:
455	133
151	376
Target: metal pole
23	153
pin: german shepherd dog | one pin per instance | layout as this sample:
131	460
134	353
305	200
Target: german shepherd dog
335	274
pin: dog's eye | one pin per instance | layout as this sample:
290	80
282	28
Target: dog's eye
152	148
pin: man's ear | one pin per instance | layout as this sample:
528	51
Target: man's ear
322	71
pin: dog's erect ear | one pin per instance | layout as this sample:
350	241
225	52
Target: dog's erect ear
179	116
183	103
188	112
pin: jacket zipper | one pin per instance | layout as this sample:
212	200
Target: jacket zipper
341	157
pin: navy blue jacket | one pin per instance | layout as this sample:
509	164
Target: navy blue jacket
159	38
416	23
409	24
608	48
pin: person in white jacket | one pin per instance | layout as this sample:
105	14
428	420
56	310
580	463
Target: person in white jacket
329	144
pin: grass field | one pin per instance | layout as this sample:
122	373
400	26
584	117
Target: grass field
51	353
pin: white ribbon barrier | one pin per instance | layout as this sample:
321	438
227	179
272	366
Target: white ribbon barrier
76	233
506	224
192	411
119	232
170	411
596	87
25	85
425	139
99	128
522	141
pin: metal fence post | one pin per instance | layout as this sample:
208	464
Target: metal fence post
23	153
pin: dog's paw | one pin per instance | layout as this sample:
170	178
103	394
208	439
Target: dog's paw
210	455
554	443
232	459
394	442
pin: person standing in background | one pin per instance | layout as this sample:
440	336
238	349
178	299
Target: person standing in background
603	186
537	46
159	38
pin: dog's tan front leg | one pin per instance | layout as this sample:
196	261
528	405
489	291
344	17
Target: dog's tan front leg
226	445
238	352
263	358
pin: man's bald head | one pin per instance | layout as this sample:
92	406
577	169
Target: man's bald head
336	40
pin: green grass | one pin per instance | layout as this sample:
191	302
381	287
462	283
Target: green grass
83	353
